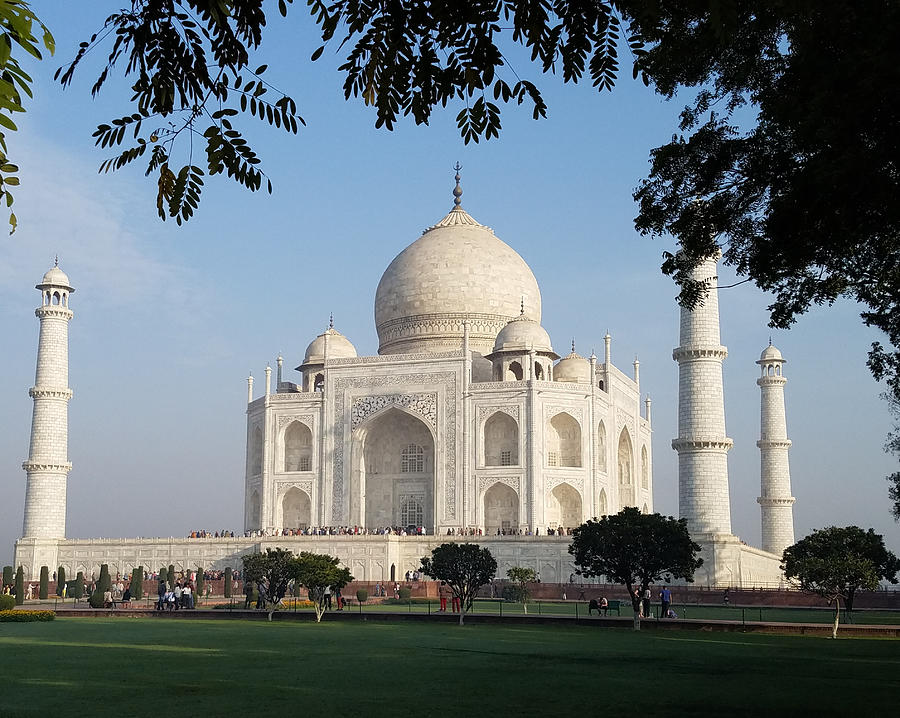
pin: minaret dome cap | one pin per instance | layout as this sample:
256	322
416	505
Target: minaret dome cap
771	353
55	277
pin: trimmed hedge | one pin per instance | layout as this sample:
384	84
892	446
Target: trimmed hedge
78	591
163	574
405	594
26	616
362	595
137	583
404	601
20	586
60	580
199	592
228	582
104	584
7	603
171	577
44	590
8	575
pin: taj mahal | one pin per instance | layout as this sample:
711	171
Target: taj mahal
467	425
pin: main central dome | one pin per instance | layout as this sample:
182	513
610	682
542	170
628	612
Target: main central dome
457	271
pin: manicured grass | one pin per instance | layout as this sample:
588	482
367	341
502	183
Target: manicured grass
152	667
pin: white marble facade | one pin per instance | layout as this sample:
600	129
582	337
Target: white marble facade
463	420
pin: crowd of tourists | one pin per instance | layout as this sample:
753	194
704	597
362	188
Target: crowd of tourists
177	597
341	531
211	534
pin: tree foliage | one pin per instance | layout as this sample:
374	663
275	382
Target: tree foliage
464	567
60	580
44	583
521	577
189	65
316	572
787	158
836	562
20	586
19	31
271	572
635	549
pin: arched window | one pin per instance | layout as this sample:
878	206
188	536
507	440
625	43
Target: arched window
645	510
319	383
563	441
602	503
297	447
601	446
626	469
645	468
412	459
501	440
501	509
514	372
564	507
55	298
538	371
256	452
412	513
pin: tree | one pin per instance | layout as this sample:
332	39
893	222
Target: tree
78	591
522	576
894	494
7	575
60	580
170	577
464	567
19	27
163	575
20	586
44	585
318	571
635	549
104	583
836	562
199	583
137	583
228	582
271	572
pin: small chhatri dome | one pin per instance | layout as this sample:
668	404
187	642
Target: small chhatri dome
573	368
523	334
457	271
55	277
771	353
339	347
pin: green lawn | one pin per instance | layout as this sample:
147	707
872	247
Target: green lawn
153	667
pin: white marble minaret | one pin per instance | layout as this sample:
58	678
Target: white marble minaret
702	445
48	463
776	502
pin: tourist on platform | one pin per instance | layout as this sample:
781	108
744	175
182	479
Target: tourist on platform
126	594
187	596
665	599
161	596
178	592
637	598
340	599
248	594
646	603
604	604
456	604
170	600
379	589
444	593
328	598
260	595
107	599
593	605
29	592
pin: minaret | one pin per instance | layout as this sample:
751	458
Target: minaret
702	446
776	502
48	463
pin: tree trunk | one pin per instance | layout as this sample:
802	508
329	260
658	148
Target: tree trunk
525	607
837	616
320	609
637	620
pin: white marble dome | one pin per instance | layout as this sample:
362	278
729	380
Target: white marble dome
55	277
573	368
339	347
523	334
771	353
457	271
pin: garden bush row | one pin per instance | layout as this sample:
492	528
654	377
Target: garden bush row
26	616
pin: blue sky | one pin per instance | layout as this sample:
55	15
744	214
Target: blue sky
169	321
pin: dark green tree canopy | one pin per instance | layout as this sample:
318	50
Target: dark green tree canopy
464	567
271	571
635	549
838	561
317	572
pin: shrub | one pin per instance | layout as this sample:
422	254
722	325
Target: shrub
8	575
20	586
44	589
26	616
78	591
404	601
199	592
228	582
7	603
137	583
163	575
60	580
104	583
170	575
405	594
362	595
96	599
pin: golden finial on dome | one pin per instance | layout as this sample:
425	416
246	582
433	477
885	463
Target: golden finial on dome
457	191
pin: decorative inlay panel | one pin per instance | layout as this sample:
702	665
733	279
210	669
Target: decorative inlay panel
425	405
577	483
282	487
552	410
446	447
485	411
302	418
485	482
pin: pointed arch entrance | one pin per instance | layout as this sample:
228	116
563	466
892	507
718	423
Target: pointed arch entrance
500	509
392	472
295	509
564	507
